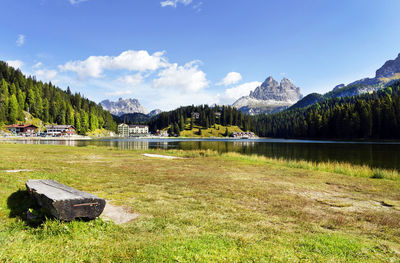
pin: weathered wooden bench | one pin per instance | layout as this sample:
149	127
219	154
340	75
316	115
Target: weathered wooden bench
64	202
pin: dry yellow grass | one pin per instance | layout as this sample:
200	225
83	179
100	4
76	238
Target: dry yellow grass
207	207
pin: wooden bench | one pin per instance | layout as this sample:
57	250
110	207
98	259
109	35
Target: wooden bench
64	202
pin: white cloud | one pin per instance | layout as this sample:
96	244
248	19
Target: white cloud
20	40
187	78
230	79
119	93
153	80
15	63
237	92
46	74
131	60
198	6
174	3
75	2
131	80
37	65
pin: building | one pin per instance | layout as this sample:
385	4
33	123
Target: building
243	135
138	129
123	130
195	115
162	133
22	129
60	130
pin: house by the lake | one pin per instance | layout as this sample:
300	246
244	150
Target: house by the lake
195	115
138	129
22	129
162	133
125	130
243	135
60	130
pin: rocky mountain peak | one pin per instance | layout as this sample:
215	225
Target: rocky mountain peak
390	68
272	90
122	106
339	86
154	112
270	82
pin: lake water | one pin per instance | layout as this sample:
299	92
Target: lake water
374	154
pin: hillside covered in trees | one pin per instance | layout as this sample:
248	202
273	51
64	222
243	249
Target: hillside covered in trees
370	116
19	93
203	116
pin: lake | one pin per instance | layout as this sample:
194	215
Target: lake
374	154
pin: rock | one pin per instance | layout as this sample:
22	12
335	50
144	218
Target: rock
154	112
122	106
118	214
64	202
339	86
390	68
270	97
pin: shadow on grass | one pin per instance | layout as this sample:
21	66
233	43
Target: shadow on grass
21	204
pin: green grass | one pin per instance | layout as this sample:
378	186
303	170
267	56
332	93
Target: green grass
205	208
214	131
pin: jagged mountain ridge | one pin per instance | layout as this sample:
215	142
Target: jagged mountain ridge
122	106
270	97
384	76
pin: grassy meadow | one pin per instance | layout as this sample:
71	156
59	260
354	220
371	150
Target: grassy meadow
203	208
215	130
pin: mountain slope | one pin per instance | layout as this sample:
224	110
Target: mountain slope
270	97
384	76
308	100
19	94
366	116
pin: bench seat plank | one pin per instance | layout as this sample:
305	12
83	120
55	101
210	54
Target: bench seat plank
64	202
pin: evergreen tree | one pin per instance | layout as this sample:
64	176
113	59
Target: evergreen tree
13	109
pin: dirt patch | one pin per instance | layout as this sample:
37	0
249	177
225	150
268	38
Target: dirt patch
161	156
17	171
118	214
342	202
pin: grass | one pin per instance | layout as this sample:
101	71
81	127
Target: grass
205	208
216	130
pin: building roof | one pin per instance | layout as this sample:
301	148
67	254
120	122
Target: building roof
140	126
21	126
59	126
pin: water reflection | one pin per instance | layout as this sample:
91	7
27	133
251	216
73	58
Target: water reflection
384	155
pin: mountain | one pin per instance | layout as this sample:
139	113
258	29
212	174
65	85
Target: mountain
270	97
308	100
132	118
384	76
154	112
367	116
122	106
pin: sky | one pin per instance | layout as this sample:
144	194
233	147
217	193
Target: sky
168	53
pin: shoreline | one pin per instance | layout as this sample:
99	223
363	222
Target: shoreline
2	139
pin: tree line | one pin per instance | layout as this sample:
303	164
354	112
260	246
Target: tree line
203	115
47	102
368	116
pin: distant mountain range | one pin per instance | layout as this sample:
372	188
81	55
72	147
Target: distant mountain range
270	97
128	110
384	76
122	106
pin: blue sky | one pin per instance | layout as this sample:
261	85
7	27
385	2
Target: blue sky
168	53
